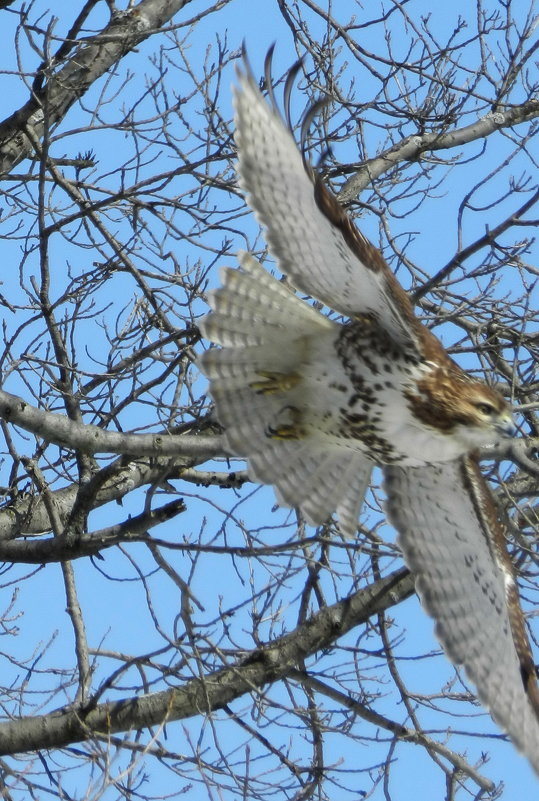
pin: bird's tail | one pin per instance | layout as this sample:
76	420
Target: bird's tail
257	383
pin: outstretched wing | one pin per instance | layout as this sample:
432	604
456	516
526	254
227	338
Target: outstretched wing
314	241
453	541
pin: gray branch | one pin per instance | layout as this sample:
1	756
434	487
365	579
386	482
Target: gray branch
29	514
266	665
87	438
93	58
58	549
412	147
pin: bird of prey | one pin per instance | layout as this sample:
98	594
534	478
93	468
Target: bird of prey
313	404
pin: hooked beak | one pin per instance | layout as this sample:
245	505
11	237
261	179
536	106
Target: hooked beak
506	426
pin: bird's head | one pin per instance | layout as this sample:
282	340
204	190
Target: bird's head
481	415
483	410
457	405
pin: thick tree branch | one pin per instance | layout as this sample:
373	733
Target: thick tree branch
411	148
28	515
89	438
93	58
58	549
263	666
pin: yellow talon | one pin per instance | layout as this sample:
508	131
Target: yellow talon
292	430
285	432
274	382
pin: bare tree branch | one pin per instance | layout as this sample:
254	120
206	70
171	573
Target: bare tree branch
269	663
64	85
414	147
91	439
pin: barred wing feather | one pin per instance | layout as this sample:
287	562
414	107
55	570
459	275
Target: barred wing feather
452	540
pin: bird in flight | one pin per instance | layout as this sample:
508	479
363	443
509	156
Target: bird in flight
313	405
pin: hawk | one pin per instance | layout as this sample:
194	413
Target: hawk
313	405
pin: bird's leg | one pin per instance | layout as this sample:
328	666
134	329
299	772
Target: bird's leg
274	382
291	430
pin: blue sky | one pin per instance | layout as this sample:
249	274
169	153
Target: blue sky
111	593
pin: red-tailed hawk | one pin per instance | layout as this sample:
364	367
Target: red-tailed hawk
313	405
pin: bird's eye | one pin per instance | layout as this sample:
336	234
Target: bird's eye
486	408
